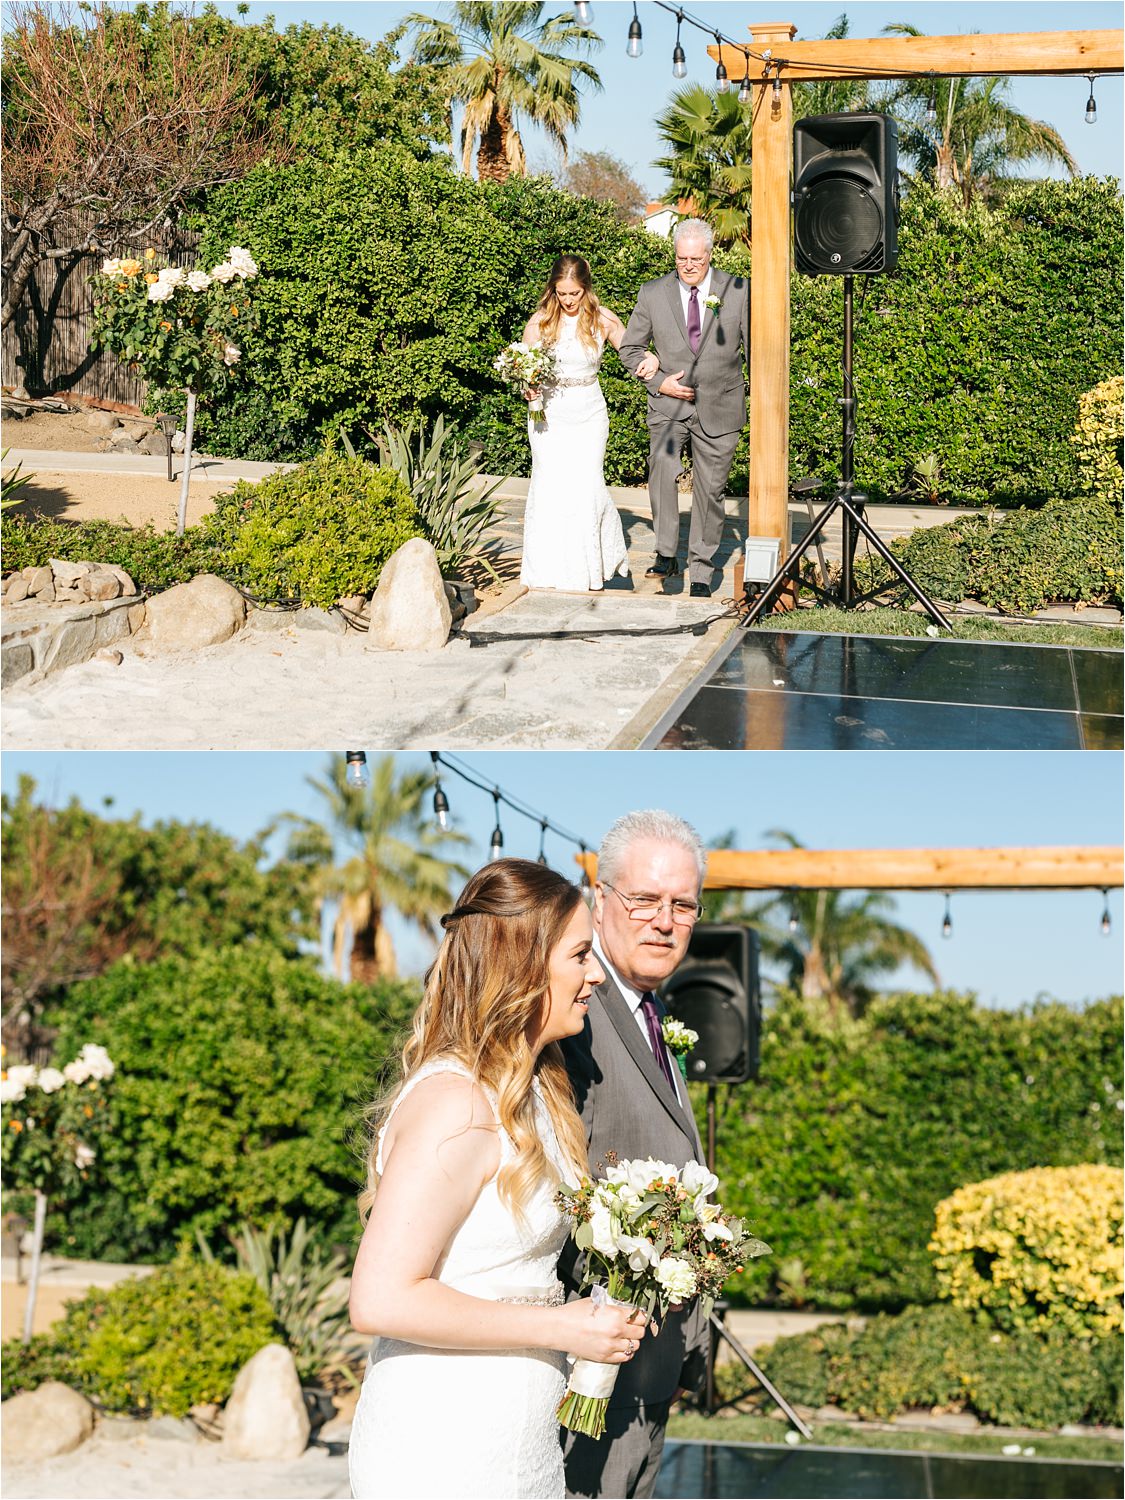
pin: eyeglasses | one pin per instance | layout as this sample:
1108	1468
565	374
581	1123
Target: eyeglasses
643	908
692	260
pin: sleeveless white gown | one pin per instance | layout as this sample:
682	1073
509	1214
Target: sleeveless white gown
472	1423
572	535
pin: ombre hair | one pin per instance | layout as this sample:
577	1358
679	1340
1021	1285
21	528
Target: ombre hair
549	310
484	1002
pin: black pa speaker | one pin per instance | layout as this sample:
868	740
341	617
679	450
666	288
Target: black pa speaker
715	992
845	194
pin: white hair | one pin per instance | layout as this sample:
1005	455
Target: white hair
652	823
694	229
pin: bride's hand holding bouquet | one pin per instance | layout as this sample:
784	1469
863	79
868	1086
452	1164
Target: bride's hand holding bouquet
527	368
653	1238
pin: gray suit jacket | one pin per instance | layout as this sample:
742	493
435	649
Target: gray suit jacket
714	372
627	1107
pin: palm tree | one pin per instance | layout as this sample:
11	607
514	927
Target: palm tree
505	61
395	862
832	945
975	138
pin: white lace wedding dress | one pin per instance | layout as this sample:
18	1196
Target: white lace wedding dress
572	536
472	1423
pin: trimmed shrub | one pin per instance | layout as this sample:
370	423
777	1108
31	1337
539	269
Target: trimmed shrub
24	1367
853	1133
154	560
942	1356
239	1075
315	533
1036	1250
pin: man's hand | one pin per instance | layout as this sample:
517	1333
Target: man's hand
670	386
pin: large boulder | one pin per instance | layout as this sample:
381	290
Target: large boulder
409	609
266	1415
192	615
45	1422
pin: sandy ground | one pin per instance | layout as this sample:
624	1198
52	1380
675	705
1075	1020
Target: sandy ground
134	499
150	1468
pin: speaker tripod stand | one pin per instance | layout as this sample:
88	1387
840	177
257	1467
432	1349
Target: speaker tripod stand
719	1332
850	504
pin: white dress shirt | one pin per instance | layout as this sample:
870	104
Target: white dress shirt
703	289
633	999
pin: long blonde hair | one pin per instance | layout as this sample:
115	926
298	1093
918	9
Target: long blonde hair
549	311
484	1001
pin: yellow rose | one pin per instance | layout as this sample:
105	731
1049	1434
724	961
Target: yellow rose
150	253
122	286
151	277
130	267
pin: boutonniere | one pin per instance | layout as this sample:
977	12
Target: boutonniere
679	1039
714	303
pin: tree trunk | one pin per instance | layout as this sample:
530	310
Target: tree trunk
492	153
943	169
372	955
185	478
36	1258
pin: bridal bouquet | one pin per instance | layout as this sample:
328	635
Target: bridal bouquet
526	367
653	1236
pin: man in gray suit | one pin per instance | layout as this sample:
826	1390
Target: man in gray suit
698	322
634	1102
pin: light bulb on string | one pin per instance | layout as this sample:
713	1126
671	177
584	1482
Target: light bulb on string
679	57
931	102
542	838
775	101
635	46
745	92
947	920
1107	920
584	883
722	82
496	845
794	919
356	774
584	11
1091	102
441	801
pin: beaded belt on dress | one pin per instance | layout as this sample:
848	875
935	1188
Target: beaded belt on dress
567	381
550	1296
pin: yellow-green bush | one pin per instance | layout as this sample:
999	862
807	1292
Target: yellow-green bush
1098	436
1036	1250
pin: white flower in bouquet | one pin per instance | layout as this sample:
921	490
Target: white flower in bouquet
651	1238
198	281
51	1079
526	367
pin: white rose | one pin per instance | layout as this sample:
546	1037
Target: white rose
96	1061
231	354
172	276
641	1253
642	1174
198	281
50	1079
676	1277
161	291
223	272
24	1075
601	1223
11	1091
84	1157
242	261
698	1180
76	1072
111	268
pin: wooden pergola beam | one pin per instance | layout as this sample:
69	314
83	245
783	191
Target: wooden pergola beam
1042	869
1019	53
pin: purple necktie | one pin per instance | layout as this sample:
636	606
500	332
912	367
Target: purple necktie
651	1013
693	325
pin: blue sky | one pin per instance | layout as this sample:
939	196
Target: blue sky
620	119
1007	947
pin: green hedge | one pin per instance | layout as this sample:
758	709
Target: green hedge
855	1131
941	1356
155	560
389	284
240	1075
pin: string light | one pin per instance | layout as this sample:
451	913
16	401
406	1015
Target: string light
584	883
356	774
794	919
722	82
931	103
745	92
1091	102
635	45
947	920
542	840
775	101
1107	921
584	11
441	801
679	58
496	846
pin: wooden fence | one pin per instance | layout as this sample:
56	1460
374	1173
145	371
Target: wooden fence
48	341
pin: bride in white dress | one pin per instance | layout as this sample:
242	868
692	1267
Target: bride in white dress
572	535
455	1273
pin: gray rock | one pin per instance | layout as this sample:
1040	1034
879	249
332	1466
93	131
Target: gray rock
409	610
265	1416
155	444
45	1422
72	642
339	1430
179	441
67	573
46	595
321	619
177	1429
192	615
16	661
126	582
101	421
17	589
119	1429
102	584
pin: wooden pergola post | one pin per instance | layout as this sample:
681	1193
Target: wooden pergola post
789	62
